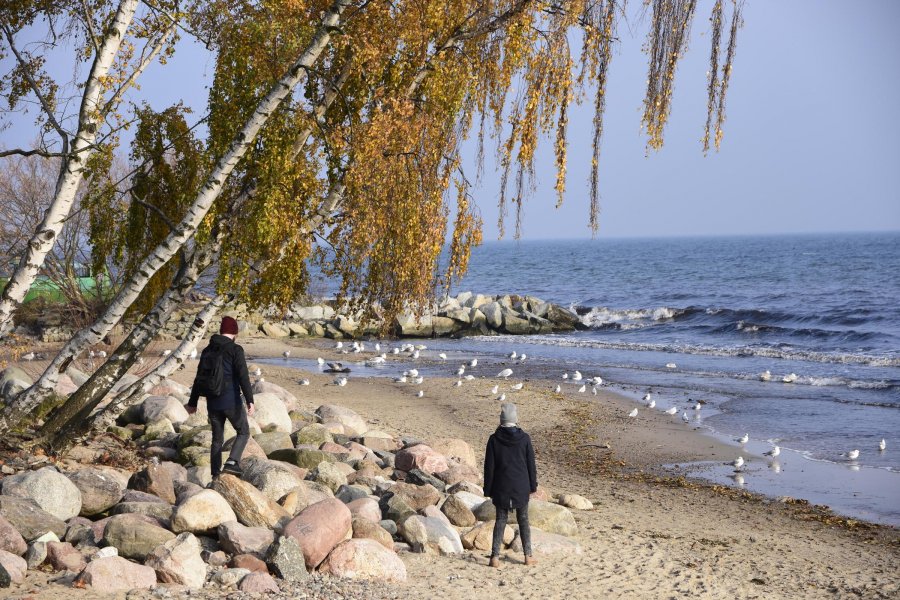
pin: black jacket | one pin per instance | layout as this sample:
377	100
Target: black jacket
510	474
234	369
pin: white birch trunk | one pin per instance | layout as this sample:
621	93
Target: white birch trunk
30	398
89	121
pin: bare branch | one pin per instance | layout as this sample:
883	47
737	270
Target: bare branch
35	152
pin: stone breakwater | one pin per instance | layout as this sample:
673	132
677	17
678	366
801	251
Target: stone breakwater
323	494
464	314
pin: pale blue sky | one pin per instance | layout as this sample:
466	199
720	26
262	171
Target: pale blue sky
811	140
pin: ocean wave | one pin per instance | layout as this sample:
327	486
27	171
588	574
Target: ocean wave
784	353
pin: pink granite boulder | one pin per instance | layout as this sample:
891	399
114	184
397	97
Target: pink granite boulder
364	559
319	528
421	457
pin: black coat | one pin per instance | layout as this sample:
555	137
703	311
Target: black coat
510	474
234	370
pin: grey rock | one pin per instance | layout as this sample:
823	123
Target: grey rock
285	559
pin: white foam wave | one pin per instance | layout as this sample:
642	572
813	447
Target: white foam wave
602	315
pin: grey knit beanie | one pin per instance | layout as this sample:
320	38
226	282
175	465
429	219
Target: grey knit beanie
509	415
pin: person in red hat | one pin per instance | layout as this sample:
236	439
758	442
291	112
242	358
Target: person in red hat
221	377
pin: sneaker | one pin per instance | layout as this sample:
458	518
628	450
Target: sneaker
494	562
212	482
232	468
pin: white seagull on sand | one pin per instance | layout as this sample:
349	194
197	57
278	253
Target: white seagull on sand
395	350
738	462
341	381
461	370
458	383
473	362
565	375
633	413
853	454
583	388
647	397
576	376
304	382
594	390
505	373
401	379
672	411
442	356
522	357
495	389
684	417
513	354
596	381
671	366
517	387
286	354
469	377
321	361
743	439
339	345
558	388
773	452
502	397
652	404
419	394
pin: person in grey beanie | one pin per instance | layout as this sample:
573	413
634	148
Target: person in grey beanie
510	477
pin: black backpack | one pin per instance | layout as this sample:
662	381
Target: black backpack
210	381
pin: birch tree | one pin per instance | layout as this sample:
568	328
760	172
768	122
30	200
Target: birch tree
110	75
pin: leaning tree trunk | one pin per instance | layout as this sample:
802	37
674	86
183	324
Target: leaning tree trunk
77	428
89	122
32	397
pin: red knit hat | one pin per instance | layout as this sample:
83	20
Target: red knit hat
229	325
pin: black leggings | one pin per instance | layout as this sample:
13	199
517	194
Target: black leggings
237	416
500	526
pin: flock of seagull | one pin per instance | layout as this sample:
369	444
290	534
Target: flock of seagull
412	376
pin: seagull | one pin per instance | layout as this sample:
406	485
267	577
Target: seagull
415	355
375	360
256	372
513	354
765	375
377	347
418	380
582	388
743	439
576	376
102	353
789	378
419	394
401	379
321	361
558	388
395	351
698	406
442	356
286	354
565	375
684	417
341	381
92	354
517	387
339	345
633	413
647	397
494	389
882	445
469	377
412	373
738	462
29	356
773	452
473	362
501	398
672	411
853	454
165	353
671	366
505	373
458	382
304	382
596	381
461	370
594	390
652	404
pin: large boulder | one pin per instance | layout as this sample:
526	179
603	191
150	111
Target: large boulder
458	512
543	542
14	566
252	507
154	479
424	533
454	449
133	537
270	441
345	416
421	457
305	494
493	313
10	539
267	387
49	488
330	475
29	519
273	478
202	513
366	508
62	556
114	573
575	501
563	319
13	381
160	512
285	559
155	408
314	434
481	536
99	490
274	330
271	414
410	325
417	496
240	539
319	528
179	561
366	529
303	457
377	440
364	559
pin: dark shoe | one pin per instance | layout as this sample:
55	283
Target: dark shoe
494	562
212	482
530	561
232	469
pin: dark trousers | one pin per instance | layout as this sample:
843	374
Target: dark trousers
237	416
500	526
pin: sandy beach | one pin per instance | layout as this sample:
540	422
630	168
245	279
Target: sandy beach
649	535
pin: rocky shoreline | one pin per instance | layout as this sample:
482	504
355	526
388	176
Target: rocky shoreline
322	493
